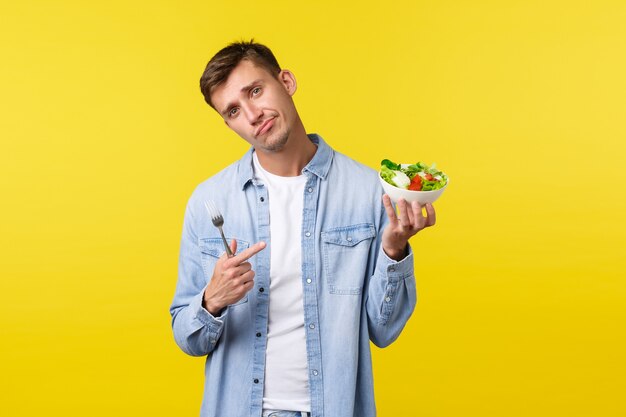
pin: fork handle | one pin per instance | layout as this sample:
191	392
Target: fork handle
228	251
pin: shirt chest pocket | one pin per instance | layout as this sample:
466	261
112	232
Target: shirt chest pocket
211	248
345	252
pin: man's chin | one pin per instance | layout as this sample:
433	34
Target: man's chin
276	144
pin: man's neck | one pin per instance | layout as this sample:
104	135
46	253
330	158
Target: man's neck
289	161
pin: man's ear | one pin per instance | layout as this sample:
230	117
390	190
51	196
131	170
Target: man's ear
288	80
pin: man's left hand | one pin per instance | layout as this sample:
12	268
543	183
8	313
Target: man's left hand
403	226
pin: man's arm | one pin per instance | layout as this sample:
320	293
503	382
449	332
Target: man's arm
196	331
200	308
391	296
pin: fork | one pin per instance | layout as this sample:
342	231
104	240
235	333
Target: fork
218	221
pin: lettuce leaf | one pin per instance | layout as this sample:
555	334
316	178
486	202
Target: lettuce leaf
391	165
387	174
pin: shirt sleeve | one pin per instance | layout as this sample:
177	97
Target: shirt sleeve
391	294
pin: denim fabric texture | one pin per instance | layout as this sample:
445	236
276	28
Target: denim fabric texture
353	293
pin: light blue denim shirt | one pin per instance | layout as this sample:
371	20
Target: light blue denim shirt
352	292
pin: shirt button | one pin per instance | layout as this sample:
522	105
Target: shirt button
310	190
258	334
261	289
256	381
349	239
392	269
308	280
212	341
307	234
262	199
315	373
388	299
311	326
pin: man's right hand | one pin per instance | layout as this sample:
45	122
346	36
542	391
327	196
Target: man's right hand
232	279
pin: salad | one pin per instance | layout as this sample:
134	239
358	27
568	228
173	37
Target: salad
415	177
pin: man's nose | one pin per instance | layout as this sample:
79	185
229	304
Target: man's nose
252	113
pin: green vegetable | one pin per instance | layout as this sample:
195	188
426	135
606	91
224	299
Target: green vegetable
387	174
387	163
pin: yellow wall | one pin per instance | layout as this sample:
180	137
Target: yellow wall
104	135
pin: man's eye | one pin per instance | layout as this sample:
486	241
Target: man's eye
232	112
256	91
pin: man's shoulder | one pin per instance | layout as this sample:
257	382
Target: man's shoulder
346	165
218	183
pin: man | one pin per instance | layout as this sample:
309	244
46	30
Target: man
322	263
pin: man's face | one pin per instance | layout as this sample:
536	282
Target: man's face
257	106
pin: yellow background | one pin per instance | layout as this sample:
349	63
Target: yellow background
104	135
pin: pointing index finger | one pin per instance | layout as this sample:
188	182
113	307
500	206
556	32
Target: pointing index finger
243	256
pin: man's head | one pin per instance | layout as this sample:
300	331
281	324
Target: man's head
245	85
222	64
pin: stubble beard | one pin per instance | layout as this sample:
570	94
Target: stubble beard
277	144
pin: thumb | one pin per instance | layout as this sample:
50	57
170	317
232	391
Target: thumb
233	246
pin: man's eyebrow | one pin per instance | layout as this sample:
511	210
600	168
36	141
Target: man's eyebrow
243	89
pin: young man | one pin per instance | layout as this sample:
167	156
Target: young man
322	263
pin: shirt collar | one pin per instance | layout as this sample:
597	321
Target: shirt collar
319	165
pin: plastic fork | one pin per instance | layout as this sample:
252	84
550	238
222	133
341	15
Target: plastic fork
218	221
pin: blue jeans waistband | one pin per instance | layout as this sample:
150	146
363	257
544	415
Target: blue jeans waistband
279	413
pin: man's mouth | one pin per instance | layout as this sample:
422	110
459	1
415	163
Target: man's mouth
267	125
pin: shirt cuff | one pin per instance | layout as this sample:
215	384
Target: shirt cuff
203	315
392	269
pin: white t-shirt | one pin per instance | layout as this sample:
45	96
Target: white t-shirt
286	369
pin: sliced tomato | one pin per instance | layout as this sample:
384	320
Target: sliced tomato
429	177
416	183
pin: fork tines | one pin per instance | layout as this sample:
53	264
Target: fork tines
212	209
